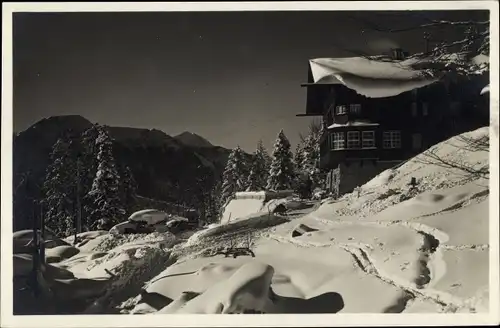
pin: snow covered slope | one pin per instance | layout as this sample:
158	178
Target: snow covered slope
391	250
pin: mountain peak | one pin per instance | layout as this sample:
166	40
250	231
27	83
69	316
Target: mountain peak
193	140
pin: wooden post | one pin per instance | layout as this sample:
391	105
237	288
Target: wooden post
42	234
36	258
78	225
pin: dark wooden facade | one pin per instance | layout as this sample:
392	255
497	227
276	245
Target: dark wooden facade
419	119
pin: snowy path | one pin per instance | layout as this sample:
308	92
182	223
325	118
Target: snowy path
432	266
360	254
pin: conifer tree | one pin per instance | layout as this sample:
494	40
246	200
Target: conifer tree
128	189
299	154
282	171
234	178
311	155
257	179
88	161
212	209
59	188
104	195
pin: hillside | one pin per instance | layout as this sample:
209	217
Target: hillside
164	168
193	140
388	249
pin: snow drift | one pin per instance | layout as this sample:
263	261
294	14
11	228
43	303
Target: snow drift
388	249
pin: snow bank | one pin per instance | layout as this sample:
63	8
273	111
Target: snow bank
467	273
304	280
108	242
380	180
60	253
255	221
150	216
22	241
466	224
130	268
85	236
246	289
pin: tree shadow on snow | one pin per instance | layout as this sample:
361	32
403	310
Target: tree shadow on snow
155	300
330	302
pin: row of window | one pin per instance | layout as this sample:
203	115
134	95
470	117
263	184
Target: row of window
356	109
365	139
353	108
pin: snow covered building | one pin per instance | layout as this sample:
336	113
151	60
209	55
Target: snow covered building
378	113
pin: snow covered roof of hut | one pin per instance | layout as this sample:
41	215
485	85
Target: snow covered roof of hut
370	78
352	123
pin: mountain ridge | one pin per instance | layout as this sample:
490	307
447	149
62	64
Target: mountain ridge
165	168
193	140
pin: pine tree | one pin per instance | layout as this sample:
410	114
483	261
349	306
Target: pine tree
311	155
59	188
105	192
88	161
128	189
257	179
299	154
234	178
212	209
282	171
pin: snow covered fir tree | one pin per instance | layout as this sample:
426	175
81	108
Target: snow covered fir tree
107	208
299	154
310	155
59	187
235	175
281	171
259	171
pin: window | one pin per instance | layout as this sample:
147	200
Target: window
392	139
341	109
368	139
355	108
414	109
353	139
338	140
425	109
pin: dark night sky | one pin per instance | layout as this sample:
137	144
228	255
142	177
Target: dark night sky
232	77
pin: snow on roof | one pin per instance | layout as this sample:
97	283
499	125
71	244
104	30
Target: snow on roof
352	123
370	78
139	214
